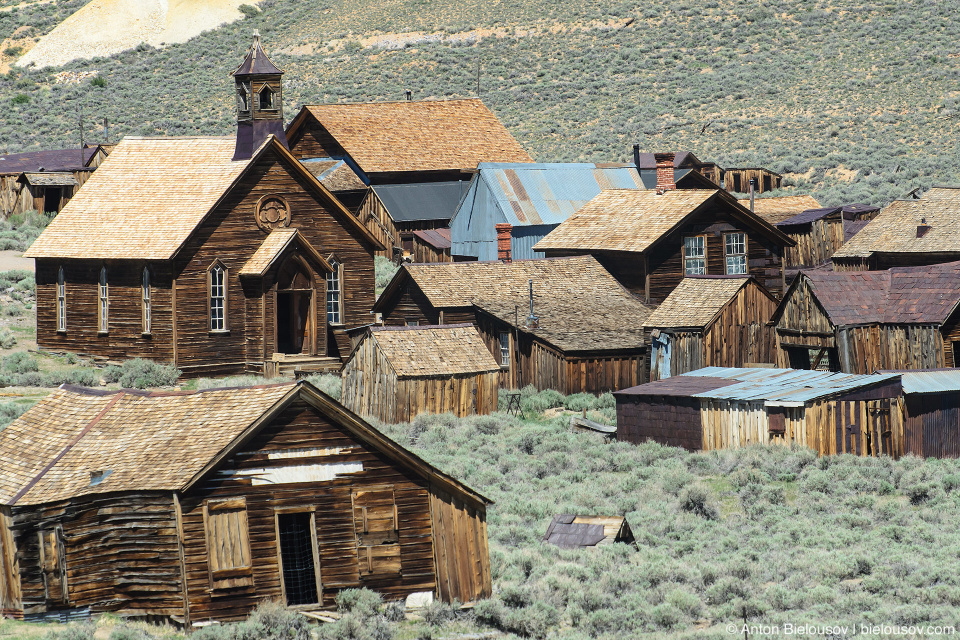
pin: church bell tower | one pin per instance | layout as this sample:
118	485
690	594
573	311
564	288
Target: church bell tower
259	101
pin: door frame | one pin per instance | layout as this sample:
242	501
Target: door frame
277	512
313	322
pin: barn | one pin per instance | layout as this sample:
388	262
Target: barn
720	408
196	506
397	373
712	321
863	321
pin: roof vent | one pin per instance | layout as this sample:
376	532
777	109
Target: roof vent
96	477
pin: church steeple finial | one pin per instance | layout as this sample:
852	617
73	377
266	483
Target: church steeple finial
259	101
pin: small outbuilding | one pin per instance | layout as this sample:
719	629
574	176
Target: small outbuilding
820	232
574	532
712	321
196	506
931	410
396	373
431	245
718	408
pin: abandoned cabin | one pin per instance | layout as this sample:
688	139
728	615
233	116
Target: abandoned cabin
820	232
45	180
906	233
429	141
779	208
582	332
431	245
712	321
864	321
650	240
196	506
528	201
396	373
233	258
723	408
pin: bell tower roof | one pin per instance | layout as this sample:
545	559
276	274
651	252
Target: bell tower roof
256	62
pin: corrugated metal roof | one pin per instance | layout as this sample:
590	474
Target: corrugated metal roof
421	201
549	193
930	381
783	386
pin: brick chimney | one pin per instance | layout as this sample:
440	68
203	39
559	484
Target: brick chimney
665	179
503	241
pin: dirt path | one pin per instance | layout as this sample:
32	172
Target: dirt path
10	260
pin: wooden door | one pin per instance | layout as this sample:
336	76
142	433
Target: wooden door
376	527
53	564
295	312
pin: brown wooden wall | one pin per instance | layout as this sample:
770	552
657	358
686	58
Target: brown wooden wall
741	334
372	389
865	349
738	180
16	197
815	245
121	553
10	601
125	337
802	324
377	220
312	140
425	252
460	549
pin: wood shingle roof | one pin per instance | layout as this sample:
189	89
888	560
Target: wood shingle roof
425	135
434	351
777	209
696	301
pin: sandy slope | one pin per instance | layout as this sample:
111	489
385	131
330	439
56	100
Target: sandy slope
105	27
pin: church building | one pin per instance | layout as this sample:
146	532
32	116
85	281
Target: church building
215	254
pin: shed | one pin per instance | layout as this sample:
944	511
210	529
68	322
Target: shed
737	179
532	199
862	321
196	506
431	245
45	180
397	373
931	409
907	233
574	532
821	231
721	408
707	321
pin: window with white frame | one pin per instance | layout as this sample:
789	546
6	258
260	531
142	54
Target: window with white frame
504	349
61	301
735	249
218	297
145	299
695	255
333	294
103	307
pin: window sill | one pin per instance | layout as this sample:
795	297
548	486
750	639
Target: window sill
61	332
218	332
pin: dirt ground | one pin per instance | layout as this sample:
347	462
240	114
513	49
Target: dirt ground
10	260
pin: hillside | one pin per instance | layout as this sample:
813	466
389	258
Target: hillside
856	101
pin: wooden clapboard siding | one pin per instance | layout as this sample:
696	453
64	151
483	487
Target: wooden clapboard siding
802	323
411	305
105	537
375	217
460	549
10	600
816	244
741	334
125	337
738	180
426	252
865	349
229	234
300	426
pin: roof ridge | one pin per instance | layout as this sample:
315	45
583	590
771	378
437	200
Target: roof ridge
426	100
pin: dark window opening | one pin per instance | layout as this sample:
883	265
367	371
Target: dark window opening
767	183
266	98
799	357
296	553
51	200
956	353
736	184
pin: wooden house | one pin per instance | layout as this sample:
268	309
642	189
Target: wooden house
353	147
650	240
396	373
231	258
45	180
394	213
719	408
864	321
431	245
528	201
196	506
738	179
712	321
689	171
582	332
578	532
820	232
906	233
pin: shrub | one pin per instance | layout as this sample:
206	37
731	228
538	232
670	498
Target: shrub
249	11
698	499
20	362
439	613
362	602
99	82
73	631
383	270
580	401
7	339
126	632
329	383
21	98
141	374
10	411
540	401
235	381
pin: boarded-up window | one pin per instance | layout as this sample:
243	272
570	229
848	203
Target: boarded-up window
375	523
53	564
228	543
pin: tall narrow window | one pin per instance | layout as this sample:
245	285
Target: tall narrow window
504	349
103	307
218	298
145	299
735	248
61	301
694	255
333	294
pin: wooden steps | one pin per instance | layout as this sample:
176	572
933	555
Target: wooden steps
296	365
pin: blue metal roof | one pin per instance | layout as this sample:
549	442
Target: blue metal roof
784	387
549	193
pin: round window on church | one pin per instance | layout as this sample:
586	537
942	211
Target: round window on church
272	213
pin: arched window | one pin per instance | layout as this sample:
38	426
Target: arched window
217	277
266	98
145	299
61	301
334	297
103	307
